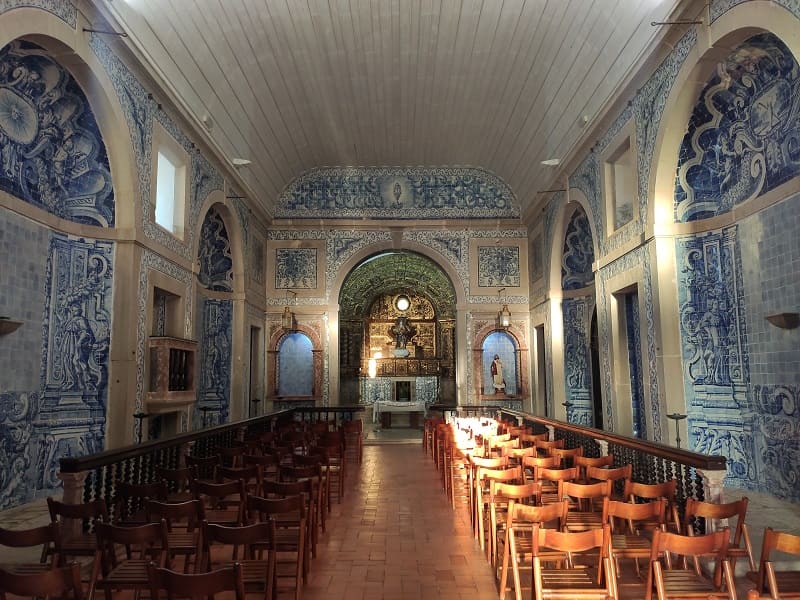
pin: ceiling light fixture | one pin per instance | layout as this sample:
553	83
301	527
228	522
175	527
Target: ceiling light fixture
552	162
240	162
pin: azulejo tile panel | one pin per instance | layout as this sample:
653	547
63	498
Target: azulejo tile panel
216	342
744	132
214	254
397	193
295	268
63	9
577	368
498	266
578	255
53	155
720	7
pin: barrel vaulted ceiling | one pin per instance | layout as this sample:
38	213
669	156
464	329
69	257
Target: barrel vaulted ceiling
296	84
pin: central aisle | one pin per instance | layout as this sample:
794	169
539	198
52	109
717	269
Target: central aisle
395	536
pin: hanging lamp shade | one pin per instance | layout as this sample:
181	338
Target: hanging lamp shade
504	317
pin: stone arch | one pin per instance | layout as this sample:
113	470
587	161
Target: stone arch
230	217
317	355
69	48
728	31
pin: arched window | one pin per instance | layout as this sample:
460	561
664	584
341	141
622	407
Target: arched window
500	344
295	366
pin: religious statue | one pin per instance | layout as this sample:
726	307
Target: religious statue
402	332
497	375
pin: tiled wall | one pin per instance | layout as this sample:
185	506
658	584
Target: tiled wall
216	345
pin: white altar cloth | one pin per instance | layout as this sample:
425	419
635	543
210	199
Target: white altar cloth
392	406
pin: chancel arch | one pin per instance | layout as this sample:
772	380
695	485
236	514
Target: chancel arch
397	313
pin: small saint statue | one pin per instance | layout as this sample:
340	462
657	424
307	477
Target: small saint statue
402	332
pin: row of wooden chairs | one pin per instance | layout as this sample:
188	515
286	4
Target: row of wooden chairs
506	476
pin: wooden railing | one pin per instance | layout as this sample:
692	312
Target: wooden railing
94	476
698	476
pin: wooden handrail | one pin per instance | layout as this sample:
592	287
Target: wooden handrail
680	455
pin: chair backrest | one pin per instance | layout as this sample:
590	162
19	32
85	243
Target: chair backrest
498	462
298	472
224	494
549	513
248	536
515	491
562	541
594	461
196	585
53	583
778	541
145	540
650	491
231	456
87	511
712	545
35	536
354	426
267	507
249	474
530	439
613	474
632	513
584	491
513	474
566	456
202	466
282	489
547	474
696	509
177	478
548	445
190	513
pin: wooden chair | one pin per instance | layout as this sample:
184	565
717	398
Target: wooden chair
520	520
196	585
778	584
333	459
258	573
628	522
695	509
354	439
689	582
635	492
584	462
223	503
546	447
483	479
567	456
52	583
177	482
619	476
528	440
586	502
231	456
551	479
75	521
531	463
183	521
572	579
46	536
500	497
250	474
310	491
320	479
142	545
267	462
289	518
130	500
202	466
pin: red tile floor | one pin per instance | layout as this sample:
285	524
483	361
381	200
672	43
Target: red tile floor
395	537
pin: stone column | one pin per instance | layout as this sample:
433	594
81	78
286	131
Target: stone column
73	494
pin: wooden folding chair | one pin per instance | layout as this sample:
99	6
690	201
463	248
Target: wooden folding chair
739	545
680	582
53	583
631	528
183	521
782	584
573	579
76	522
258	574
196	585
46	536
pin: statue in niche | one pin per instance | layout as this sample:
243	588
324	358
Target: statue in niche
402	332
76	347
498	382
713	334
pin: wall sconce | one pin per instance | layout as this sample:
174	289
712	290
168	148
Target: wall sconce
287	318
504	316
784	320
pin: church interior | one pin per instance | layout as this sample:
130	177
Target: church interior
587	212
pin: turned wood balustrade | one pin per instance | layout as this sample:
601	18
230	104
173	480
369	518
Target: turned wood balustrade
698	476
92	477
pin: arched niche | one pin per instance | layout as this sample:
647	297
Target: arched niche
274	344
69	48
511	346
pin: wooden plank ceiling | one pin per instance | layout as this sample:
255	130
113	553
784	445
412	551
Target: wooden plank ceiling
297	84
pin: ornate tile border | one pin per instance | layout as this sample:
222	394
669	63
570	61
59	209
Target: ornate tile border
63	9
